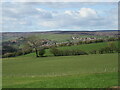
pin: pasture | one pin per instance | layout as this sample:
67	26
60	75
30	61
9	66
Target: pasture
87	71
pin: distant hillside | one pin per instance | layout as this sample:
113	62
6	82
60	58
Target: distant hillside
98	33
14	35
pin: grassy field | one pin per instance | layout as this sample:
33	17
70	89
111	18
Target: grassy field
87	71
89	47
64	37
84	47
55	37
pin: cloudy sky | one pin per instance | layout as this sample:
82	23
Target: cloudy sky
39	16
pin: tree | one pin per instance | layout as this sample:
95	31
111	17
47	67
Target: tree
35	43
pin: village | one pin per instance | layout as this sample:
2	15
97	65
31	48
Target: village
83	39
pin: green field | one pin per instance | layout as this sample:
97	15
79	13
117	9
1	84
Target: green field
86	71
64	37
50	36
83	47
89	47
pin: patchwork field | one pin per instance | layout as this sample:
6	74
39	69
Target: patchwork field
87	71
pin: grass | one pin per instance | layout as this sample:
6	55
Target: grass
88	47
87	71
64	37
56	37
84	47
104	80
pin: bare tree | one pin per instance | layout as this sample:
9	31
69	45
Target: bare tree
35	43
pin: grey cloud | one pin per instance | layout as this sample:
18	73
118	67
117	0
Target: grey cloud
30	16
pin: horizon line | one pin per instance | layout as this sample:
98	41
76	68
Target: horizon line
59	31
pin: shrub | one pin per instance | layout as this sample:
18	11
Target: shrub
8	49
112	45
112	39
79	52
101	51
99	40
80	42
8	55
93	52
117	50
87	42
58	52
27	51
41	52
18	53
106	50
55	51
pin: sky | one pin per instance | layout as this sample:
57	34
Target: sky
53	16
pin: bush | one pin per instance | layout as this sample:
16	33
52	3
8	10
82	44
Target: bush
99	40
117	50
8	49
54	51
87	42
106	50
79	52
80	42
8	55
18	53
112	39
41	52
101	51
27	51
58	52
93	52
